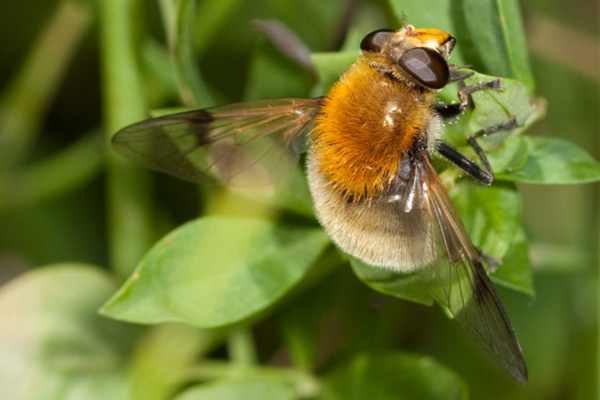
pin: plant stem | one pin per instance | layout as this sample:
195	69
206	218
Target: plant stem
168	12
306	385
241	347
179	26
26	100
212	15
161	358
129	189
58	174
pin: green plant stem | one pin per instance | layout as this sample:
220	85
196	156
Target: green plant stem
211	17
241	347
509	13
180	36
129	189
161	358
305	384
159	78
58	174
168	10
597	261
27	98
179	20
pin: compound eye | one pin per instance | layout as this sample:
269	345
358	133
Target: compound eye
375	40
426	66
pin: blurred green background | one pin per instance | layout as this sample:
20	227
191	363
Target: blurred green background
54	197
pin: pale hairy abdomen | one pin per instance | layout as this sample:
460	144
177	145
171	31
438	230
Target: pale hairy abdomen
377	232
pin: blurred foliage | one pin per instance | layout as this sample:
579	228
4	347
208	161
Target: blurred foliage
274	311
71	352
257	265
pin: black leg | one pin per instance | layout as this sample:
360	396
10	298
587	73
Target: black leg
452	110
461	161
472	140
483	174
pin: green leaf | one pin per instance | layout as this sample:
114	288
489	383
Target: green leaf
497	32
217	271
514	35
491	215
247	389
493	107
496	106
515	271
555	161
482	20
510	155
412	287
394	376
508	150
53	345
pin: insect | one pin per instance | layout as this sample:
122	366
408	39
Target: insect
373	186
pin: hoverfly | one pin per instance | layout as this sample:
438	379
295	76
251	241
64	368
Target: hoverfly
373	186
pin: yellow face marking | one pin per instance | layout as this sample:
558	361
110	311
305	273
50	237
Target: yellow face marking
432	38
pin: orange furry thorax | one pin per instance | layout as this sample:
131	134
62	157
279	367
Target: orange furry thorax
366	126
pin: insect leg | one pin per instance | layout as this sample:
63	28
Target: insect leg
472	140
481	175
452	110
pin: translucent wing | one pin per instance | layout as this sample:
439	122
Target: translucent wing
463	285
222	141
